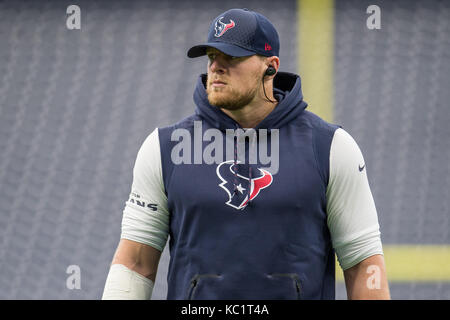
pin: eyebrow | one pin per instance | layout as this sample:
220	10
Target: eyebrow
212	51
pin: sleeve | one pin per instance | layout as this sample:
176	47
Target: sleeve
352	215
146	217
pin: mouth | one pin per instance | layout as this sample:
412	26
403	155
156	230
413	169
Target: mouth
218	84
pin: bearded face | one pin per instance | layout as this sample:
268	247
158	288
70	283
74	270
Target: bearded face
232	82
232	95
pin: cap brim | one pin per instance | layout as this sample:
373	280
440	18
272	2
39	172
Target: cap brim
229	49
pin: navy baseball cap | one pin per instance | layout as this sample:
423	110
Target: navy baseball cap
240	33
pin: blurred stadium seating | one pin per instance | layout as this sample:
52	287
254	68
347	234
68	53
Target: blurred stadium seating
75	106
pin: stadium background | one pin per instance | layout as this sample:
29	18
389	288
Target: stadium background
75	106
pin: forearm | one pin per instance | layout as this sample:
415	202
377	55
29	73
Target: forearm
367	280
132	273
123	283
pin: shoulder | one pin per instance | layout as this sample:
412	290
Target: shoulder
186	123
317	124
166	142
322	134
322	131
347	163
345	152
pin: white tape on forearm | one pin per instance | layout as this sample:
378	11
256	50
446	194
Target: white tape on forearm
123	283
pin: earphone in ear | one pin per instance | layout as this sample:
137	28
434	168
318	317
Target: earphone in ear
270	71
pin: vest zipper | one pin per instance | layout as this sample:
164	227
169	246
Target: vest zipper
297	286
191	289
295	278
194	283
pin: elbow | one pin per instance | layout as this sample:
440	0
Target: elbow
138	257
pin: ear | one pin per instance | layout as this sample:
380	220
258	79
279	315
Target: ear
273	61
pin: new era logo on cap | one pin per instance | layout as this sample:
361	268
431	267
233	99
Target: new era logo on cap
240	33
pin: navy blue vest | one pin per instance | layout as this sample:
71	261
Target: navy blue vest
278	246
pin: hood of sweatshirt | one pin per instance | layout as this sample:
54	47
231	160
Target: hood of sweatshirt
287	91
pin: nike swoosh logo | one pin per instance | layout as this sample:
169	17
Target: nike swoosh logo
362	168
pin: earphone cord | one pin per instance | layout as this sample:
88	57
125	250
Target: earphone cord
264	89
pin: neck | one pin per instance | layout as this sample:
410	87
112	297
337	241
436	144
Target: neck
252	114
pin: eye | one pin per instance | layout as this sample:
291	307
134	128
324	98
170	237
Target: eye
238	59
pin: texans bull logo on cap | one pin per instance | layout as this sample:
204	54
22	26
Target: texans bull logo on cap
236	185
251	33
221	27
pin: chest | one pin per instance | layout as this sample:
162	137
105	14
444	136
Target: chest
285	177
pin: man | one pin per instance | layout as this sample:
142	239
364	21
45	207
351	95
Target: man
240	229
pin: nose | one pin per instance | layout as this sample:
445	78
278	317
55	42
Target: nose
217	65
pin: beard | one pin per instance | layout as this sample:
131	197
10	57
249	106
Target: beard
230	98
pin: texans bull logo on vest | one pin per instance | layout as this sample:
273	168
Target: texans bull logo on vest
236	184
221	27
